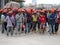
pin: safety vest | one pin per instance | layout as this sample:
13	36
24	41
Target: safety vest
34	18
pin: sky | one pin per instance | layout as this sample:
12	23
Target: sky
44	1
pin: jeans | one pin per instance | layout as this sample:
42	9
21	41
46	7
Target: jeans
19	26
9	29
34	25
5	24
3	27
42	27
39	25
28	26
56	27
51	29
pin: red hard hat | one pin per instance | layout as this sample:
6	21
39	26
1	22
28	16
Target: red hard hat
34	11
28	10
4	10
19	10
53	10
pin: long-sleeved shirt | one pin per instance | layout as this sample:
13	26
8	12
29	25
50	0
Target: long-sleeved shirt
19	18
52	18
9	21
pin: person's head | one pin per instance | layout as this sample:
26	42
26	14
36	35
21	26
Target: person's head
10	13
49	11
41	14
5	10
21	12
53	10
38	13
34	14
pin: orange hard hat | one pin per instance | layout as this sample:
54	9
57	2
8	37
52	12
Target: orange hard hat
19	10
53	10
23	10
28	10
34	10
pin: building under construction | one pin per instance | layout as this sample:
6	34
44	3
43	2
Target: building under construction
3	2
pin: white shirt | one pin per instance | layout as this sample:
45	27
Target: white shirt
19	18
2	18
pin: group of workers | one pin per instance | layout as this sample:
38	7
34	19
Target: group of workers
29	20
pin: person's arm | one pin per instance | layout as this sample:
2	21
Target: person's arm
17	17
6	19
55	17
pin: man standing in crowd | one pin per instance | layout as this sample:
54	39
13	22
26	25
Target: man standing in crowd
28	24
42	18
19	20
2	21
9	20
57	22
52	20
34	20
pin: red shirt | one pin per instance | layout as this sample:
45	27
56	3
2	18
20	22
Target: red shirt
43	19
58	20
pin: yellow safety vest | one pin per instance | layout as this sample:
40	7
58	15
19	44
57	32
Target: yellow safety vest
34	18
